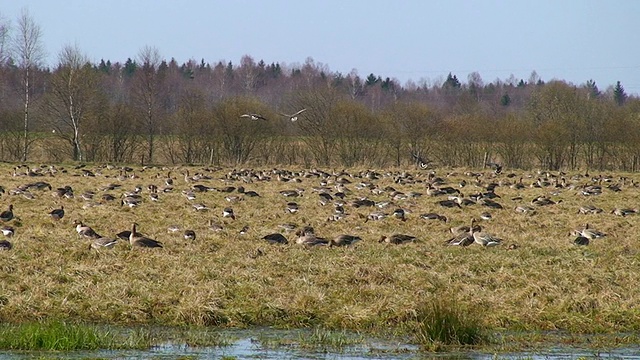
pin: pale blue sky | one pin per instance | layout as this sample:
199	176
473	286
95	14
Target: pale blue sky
573	40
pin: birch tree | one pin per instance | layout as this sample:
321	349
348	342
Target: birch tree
69	100
28	50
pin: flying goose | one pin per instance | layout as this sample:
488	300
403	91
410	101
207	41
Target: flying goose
253	116
293	117
137	240
397	239
7	214
344	240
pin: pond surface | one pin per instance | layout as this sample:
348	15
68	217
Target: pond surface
290	344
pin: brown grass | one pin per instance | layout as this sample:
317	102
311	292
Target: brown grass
227	279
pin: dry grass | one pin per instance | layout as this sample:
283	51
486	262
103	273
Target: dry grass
228	279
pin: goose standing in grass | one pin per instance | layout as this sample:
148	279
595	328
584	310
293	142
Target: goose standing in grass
7	215
463	235
344	240
85	231
57	214
293	117
397	239
399	214
137	240
275	238
524	209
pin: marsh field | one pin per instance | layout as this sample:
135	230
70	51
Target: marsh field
535	280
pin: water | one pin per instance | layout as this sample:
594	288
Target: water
285	344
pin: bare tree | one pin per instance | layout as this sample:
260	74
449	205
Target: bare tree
29	51
68	103
5	25
146	93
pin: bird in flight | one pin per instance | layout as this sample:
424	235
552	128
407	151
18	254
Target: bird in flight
294	117
253	116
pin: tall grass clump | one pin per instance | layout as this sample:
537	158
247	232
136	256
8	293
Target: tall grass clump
443	322
62	336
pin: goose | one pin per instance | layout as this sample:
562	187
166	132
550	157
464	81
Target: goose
228	212
344	240
131	201
57	214
434	216
214	226
310	239
486	216
581	240
84	230
253	116
524	209
591	233
5	245
399	214
189	235
200	207
294	117
7	214
249	193
291	193
288	227
461	239
103	243
486	239
589	209
623	212
275	238
138	240
465	228
397	239
292	207
7	231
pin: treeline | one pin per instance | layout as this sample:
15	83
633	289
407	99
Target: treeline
156	111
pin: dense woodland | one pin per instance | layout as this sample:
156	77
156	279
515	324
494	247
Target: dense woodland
152	110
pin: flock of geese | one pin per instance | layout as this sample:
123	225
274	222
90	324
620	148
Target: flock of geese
337	190
291	117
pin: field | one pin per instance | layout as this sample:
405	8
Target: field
535	279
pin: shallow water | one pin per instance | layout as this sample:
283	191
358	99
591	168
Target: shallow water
284	344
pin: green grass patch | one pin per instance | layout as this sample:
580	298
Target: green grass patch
62	336
443	322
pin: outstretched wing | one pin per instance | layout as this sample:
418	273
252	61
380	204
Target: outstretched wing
299	112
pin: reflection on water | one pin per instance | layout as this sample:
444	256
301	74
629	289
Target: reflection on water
287	344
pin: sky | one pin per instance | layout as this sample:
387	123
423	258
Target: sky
417	40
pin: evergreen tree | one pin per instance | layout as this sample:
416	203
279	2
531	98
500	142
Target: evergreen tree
452	82
592	88
619	95
505	100
130	67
